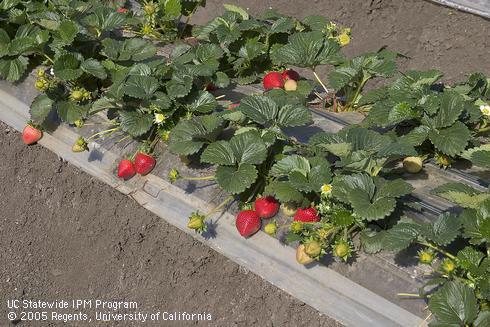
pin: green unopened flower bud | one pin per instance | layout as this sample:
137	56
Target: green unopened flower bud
313	249
342	250
448	265
271	228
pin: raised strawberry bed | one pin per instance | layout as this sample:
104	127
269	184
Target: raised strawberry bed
356	209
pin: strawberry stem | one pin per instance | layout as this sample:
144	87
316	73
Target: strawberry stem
220	206
438	249
103	133
320	81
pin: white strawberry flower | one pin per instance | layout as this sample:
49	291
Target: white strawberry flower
485	110
159	118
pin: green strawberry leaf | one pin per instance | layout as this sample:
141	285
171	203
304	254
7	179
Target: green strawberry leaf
259	108
189	136
291	115
451	140
203	102
105	19
400	236
94	68
443	230
452	106
461	194
67	67
13	69
454	304
308	49
70	112
141	87
135	122
290	164
235	180
284	192
67	31
479	156
372	241
131	49
40	109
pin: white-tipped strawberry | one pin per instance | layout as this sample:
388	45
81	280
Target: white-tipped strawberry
413	165
273	80
31	134
290	85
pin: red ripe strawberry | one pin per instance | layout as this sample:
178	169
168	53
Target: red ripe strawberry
308	215
233	106
122	10
31	135
143	163
126	169
290	74
273	80
247	223
266	207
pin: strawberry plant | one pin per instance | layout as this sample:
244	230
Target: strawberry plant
250	43
349	76
160	19
360	149
436	120
348	205
459	285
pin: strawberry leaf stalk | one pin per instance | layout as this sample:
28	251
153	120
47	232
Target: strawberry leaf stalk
174	175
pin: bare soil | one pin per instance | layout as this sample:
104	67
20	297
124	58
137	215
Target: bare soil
433	36
65	235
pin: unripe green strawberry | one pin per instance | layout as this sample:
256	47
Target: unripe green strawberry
412	165
80	145
296	227
448	265
271	228
288	209
426	256
313	248
302	257
76	95
41	84
196	222
342	250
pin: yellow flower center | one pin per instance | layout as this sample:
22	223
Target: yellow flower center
326	188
